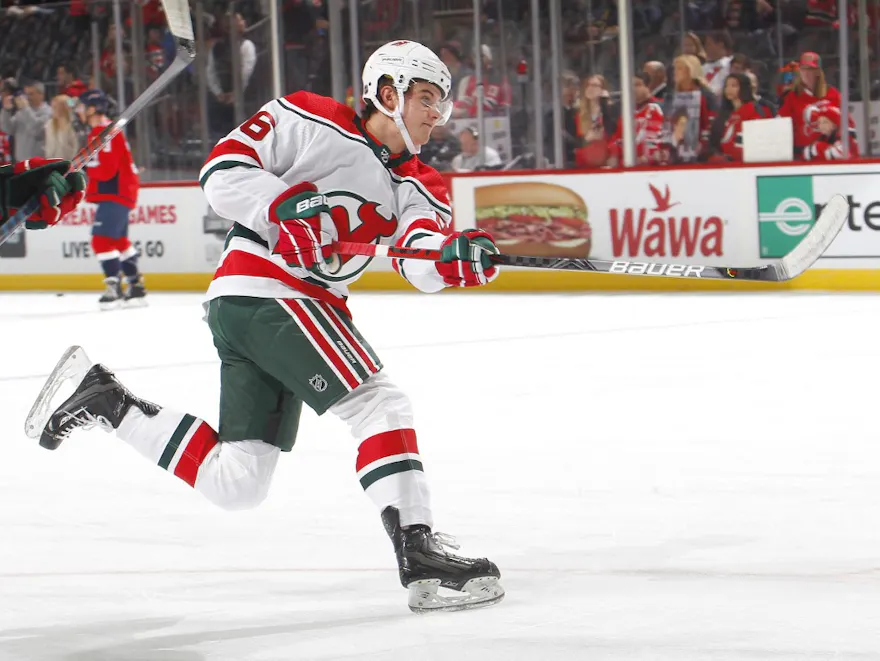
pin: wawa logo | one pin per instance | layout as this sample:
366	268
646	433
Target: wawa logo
665	230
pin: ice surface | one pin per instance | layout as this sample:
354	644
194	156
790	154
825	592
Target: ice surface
658	477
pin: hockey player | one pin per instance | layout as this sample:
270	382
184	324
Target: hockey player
113	186
301	173
59	192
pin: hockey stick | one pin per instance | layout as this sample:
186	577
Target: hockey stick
811	247
180	24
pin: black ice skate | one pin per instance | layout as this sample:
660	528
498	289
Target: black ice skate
426	566
136	294
99	399
112	296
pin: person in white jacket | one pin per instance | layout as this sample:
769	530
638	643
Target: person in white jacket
24	117
469	158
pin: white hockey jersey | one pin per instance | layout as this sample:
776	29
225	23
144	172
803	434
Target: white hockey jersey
375	197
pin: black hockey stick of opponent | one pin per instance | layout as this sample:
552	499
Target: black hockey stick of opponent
811	247
180	24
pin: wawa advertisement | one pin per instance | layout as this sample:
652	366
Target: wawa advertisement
698	216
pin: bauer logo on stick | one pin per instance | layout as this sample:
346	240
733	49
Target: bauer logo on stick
651	268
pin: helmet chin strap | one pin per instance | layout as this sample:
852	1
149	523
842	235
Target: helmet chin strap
398	121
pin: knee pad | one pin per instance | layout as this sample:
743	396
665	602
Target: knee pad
104	248
375	406
236	475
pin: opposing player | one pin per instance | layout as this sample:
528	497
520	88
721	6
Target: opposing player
301	173
113	186
59	192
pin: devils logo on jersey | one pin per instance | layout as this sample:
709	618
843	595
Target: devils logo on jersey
359	221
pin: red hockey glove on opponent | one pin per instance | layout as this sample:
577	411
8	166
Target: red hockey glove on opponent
306	230
465	259
59	192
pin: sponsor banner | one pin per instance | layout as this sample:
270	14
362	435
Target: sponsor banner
688	217
788	206
160	227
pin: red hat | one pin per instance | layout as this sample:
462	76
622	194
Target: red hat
831	113
810	60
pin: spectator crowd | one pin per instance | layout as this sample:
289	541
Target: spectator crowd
693	91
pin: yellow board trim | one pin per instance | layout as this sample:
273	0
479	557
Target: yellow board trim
511	281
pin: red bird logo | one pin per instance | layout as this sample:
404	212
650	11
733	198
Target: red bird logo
662	199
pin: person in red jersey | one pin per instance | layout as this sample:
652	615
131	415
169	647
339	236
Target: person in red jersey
829	145
304	172
810	93
113	186
738	107
648	126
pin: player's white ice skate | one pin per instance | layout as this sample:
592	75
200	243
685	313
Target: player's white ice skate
426	568
97	399
112	297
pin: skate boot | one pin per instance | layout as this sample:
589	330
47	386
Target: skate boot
99	399
426	566
136	294
112	296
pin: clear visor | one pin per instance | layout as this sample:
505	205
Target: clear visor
442	108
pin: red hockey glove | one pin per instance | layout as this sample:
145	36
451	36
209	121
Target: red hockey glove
465	259
60	192
306	230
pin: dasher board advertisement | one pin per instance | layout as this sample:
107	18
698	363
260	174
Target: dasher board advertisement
683	216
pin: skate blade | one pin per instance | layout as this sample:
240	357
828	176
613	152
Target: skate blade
135	303
424	596
71	367
110	305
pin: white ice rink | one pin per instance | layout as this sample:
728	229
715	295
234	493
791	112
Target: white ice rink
659	477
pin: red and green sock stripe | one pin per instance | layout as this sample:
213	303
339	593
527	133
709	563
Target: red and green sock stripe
187	448
388	453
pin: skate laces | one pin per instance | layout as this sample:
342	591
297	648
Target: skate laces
446	540
83	419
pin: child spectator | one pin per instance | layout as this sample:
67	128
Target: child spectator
829	145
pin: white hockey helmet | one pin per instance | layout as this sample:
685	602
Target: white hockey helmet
402	62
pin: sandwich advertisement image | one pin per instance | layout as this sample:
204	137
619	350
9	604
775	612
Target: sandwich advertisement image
685	217
534	218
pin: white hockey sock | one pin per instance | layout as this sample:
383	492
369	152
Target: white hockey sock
232	475
388	465
177	442
390	471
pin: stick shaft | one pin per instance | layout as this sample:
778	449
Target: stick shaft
615	267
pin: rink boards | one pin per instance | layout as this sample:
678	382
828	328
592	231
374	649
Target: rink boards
734	216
